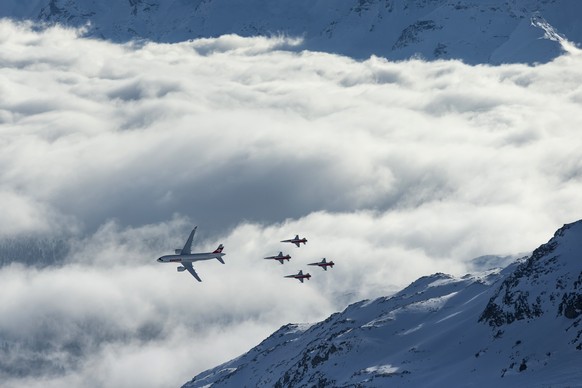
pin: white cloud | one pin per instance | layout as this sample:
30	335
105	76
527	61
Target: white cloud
392	169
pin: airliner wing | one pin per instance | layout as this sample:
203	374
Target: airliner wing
190	269
188	246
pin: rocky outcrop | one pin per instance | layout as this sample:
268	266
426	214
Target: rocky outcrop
547	282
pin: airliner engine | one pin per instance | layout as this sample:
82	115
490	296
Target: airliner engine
180	269
178	251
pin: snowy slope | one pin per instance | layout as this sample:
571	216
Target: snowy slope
495	31
517	327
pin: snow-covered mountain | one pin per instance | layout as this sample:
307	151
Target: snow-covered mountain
516	327
494	31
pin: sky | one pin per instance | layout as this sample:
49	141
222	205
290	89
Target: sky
393	170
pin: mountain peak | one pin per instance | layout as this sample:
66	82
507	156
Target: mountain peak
494	32
549	281
437	331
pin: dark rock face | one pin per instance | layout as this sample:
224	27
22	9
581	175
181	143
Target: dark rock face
550	276
512	303
413	33
548	284
571	305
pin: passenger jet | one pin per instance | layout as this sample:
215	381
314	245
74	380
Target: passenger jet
185	256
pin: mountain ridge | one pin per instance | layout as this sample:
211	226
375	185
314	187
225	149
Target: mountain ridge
499	31
519	326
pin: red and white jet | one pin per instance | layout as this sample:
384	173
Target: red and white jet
323	264
300	276
297	241
279	257
185	256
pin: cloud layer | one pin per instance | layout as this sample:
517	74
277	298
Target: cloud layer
392	169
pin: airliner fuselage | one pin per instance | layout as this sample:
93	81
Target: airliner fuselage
190	258
185	256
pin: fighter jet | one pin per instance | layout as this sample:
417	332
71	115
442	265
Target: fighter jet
279	257
297	241
323	264
299	276
185	256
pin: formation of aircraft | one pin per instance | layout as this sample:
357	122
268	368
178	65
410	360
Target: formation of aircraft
323	264
299	276
279	257
185	256
297	241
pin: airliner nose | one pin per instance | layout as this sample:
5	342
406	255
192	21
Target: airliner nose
160	260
